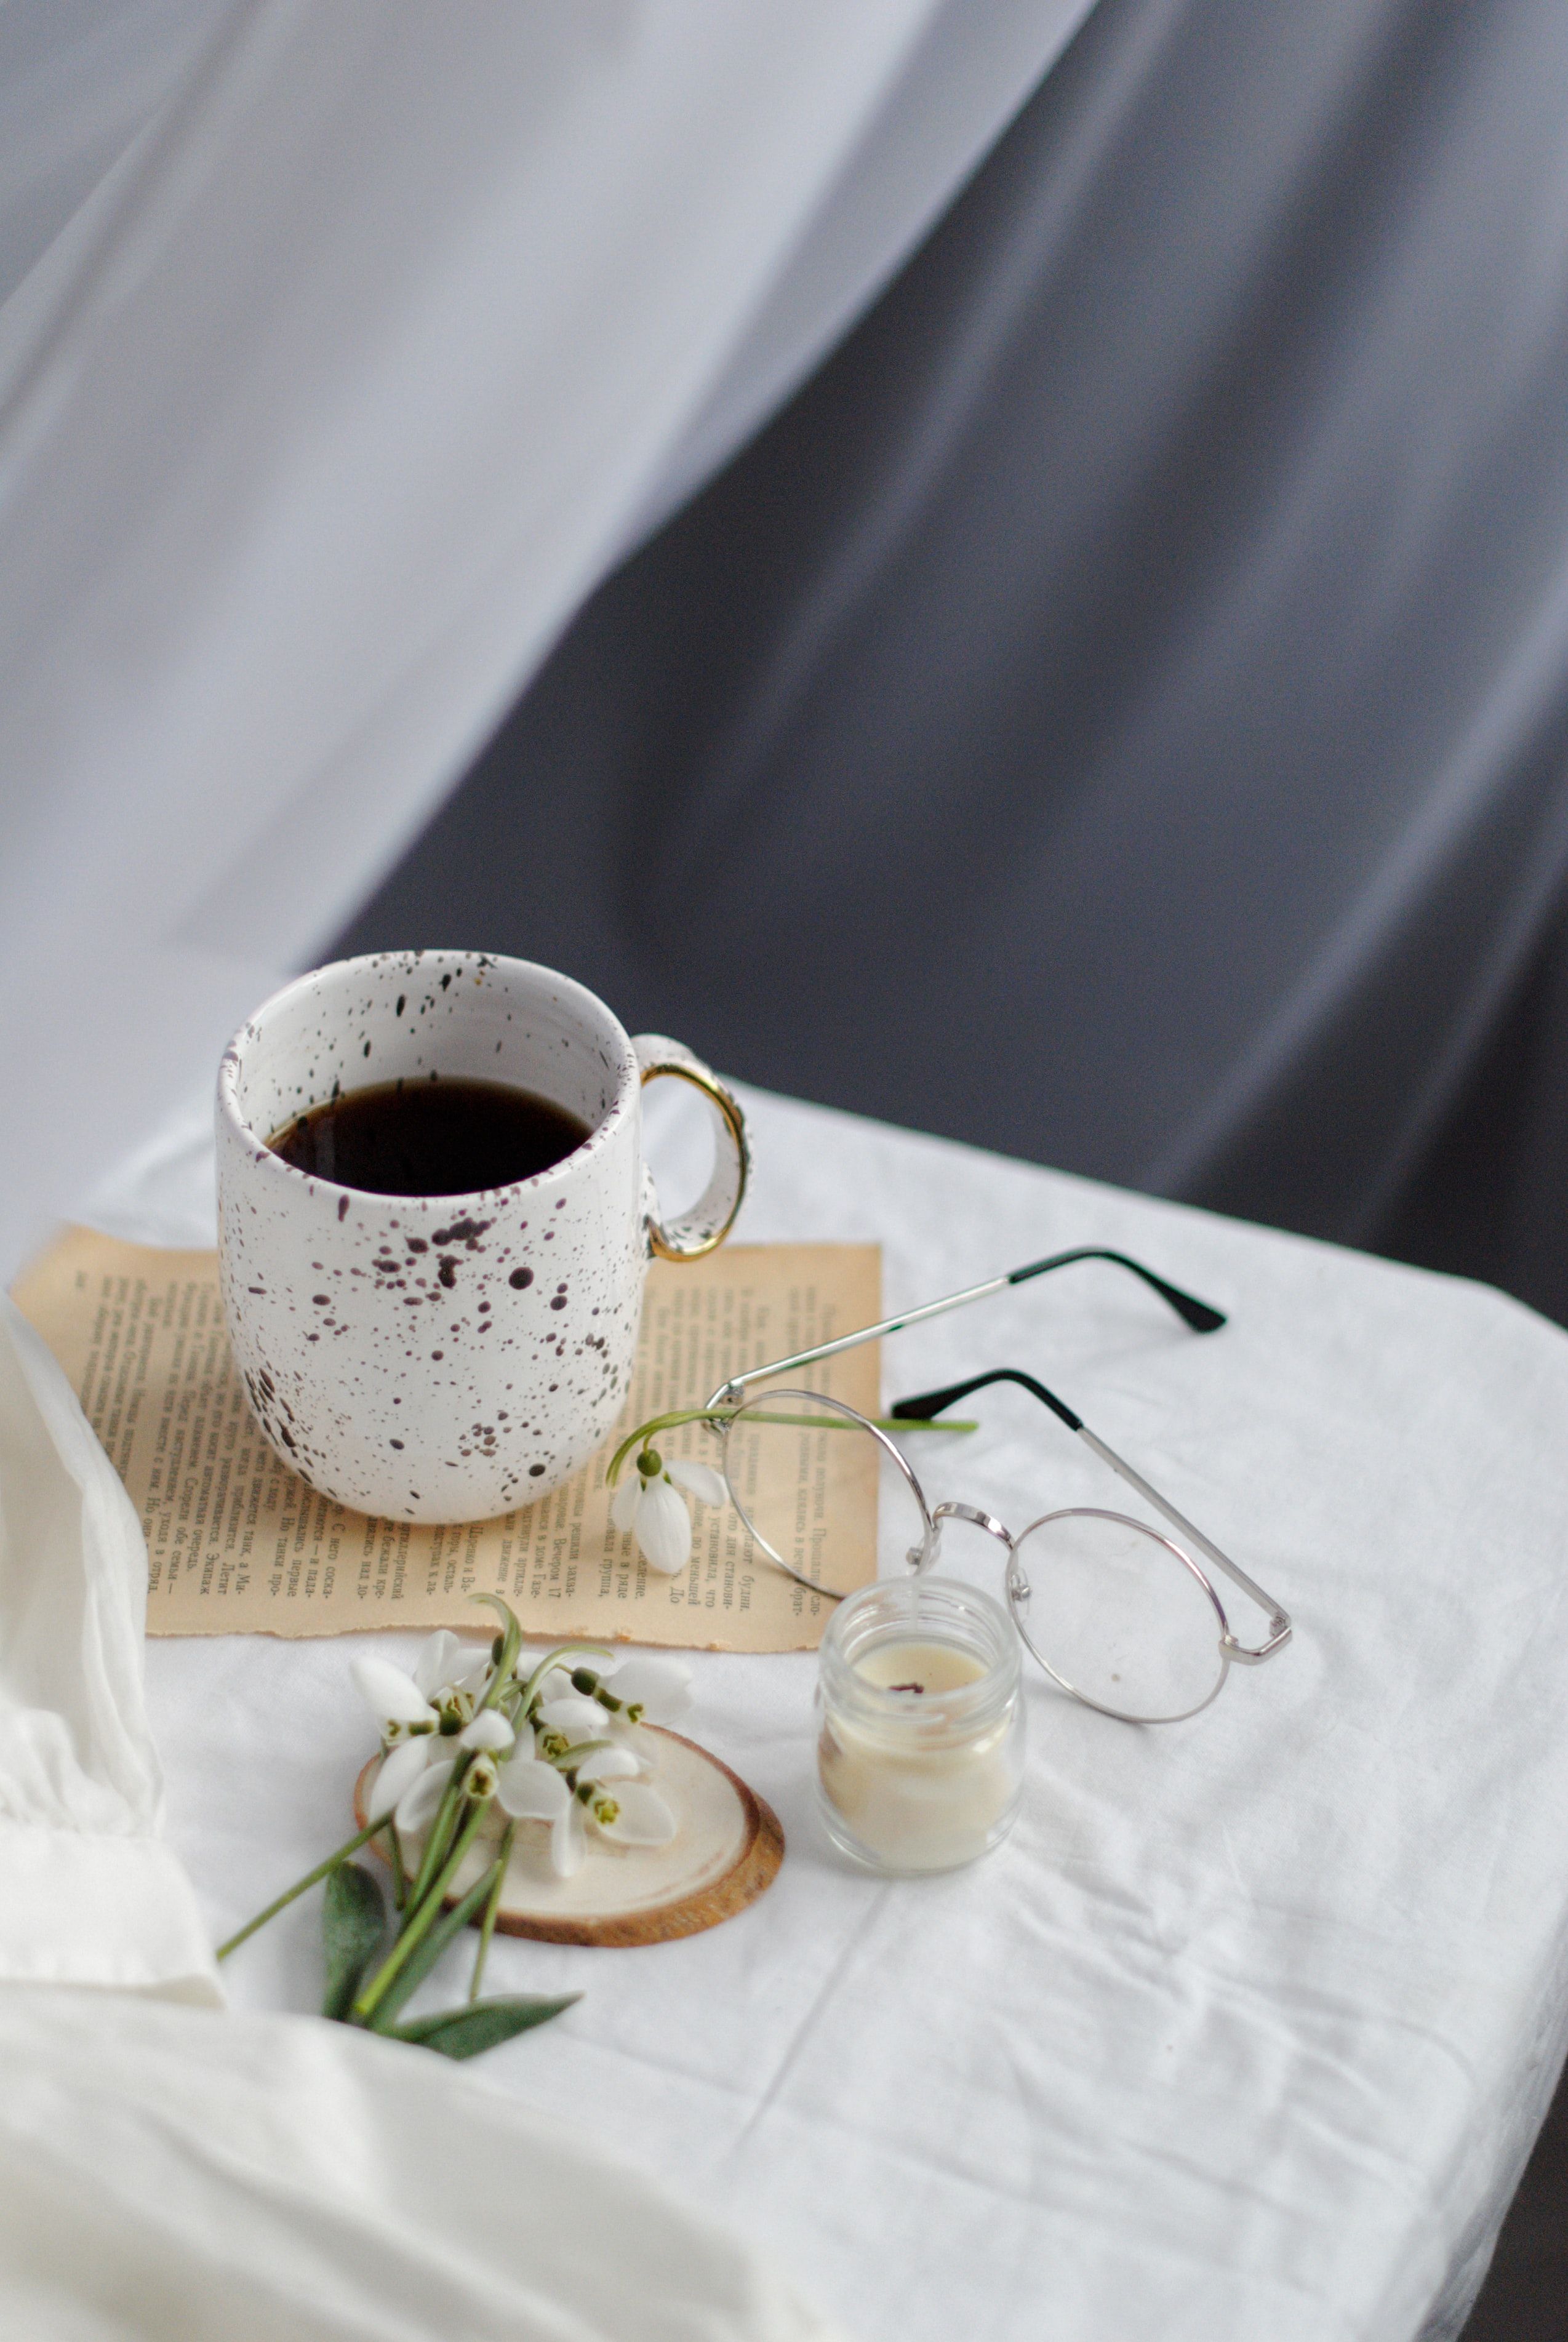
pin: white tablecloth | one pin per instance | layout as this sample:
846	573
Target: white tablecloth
1246	2032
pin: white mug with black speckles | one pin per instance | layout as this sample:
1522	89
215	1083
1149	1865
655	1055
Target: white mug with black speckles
445	1357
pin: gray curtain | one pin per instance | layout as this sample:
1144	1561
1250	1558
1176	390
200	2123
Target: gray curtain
1118	711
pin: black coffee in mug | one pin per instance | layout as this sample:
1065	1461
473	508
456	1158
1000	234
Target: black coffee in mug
430	1137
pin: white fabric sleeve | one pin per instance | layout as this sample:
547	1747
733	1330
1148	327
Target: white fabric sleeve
165	2167
294	2181
91	1895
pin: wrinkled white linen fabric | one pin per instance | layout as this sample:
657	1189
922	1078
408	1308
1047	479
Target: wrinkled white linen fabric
88	1892
165	2172
388	329
166	2169
1246	2034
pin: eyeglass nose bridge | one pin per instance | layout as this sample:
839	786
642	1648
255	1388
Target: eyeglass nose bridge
1017	1584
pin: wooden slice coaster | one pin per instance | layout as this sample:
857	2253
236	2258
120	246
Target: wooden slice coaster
726	1853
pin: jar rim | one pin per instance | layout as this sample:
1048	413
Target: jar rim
943	1610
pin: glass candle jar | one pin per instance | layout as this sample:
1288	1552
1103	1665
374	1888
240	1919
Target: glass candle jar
920	1741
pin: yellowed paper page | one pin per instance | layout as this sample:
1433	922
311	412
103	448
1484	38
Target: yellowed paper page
236	1543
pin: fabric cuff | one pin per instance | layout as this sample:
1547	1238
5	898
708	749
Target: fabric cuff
116	1912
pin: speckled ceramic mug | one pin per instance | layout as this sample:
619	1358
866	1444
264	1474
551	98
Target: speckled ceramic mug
442	1358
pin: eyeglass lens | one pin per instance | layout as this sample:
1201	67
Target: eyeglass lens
819	1491
1115	1613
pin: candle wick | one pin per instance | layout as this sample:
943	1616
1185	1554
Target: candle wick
906	1687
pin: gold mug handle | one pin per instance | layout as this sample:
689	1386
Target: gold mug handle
713	1216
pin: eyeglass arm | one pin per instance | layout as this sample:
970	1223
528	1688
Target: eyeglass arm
926	1404
1198	1315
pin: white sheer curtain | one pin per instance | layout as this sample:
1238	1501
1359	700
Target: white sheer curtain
374	333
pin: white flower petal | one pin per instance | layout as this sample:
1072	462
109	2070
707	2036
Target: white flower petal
392	1696
532	1792
568	1841
699	1480
417	1806
579	1718
489	1729
661	1688
641	1818
612	1763
398	1771
557	1685
624	1503
664	1528
436	1666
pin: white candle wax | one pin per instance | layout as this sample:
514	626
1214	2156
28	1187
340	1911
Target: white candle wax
919	1668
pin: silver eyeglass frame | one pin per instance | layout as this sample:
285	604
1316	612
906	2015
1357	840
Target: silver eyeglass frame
926	1554
731	1395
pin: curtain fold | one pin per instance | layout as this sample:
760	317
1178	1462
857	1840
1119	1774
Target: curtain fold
1116	712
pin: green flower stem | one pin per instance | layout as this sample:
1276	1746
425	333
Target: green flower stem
487	1925
442	1823
912	1423
310	1880
399	1874
646	1431
428	1954
550	1659
512	1637
721	1415
421	1919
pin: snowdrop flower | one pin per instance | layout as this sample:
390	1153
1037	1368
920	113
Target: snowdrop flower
650	1691
625	1812
399	1769
630	1813
408	1760
530	1790
430	1697
648	1502
556	1685
614	1762
575	1718
393	1698
415	1806
533	1792
437	1663
489	1730
412	1799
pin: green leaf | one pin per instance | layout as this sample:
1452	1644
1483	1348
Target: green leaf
424	1956
482	2025
352	1922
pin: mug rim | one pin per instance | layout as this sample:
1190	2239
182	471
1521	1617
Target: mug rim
627	1094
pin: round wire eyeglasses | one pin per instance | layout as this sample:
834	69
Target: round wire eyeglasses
1121	1616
